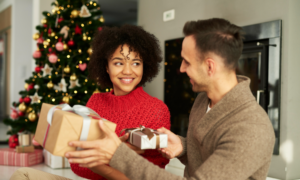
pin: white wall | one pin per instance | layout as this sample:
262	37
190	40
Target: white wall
150	13
21	52
4	4
26	14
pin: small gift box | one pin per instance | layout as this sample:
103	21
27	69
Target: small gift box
25	138
55	162
25	149
9	157
58	125
146	138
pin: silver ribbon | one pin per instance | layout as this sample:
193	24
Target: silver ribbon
80	110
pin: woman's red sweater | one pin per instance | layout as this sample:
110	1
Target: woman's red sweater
129	111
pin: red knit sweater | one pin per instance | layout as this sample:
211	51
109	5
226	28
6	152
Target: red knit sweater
129	111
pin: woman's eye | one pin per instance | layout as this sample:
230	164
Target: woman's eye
136	64
118	64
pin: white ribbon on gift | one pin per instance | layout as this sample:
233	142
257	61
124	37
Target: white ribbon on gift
138	129
80	110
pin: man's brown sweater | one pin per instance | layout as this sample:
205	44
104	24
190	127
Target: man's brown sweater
233	141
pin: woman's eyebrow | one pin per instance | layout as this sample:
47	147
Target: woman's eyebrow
117	58
137	59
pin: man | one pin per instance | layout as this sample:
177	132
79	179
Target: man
229	136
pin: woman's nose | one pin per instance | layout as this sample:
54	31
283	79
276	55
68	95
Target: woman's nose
127	69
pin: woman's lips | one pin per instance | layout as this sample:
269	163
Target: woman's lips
126	80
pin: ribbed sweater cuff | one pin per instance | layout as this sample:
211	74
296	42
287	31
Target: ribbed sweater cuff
183	142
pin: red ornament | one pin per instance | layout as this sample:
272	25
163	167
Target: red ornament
45	25
60	20
82	67
38	69
37	54
100	28
30	86
52	58
20	100
49	31
71	43
14	115
59	46
78	30
13	141
40	41
27	100
50	50
21	113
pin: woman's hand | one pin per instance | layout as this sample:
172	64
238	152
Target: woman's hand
134	148
95	152
174	145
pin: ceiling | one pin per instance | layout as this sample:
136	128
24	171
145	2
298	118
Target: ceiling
118	12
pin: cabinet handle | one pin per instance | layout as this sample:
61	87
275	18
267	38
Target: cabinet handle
258	95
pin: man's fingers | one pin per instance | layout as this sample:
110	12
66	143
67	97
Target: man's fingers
83	144
164	130
125	137
86	160
80	154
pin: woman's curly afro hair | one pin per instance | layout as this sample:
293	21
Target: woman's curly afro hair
109	39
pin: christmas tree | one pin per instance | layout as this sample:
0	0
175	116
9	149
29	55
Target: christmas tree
61	58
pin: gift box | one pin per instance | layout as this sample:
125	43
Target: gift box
146	138
9	157
55	162
25	149
60	124
25	138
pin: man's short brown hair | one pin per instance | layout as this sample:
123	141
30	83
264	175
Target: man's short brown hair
218	36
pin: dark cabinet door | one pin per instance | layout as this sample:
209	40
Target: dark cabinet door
253	63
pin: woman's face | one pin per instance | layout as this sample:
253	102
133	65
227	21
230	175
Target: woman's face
125	70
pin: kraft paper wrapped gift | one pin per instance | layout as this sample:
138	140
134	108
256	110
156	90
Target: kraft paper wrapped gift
25	138
60	124
55	162
25	149
146	138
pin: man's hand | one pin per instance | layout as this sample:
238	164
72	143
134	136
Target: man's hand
136	149
95	152
174	144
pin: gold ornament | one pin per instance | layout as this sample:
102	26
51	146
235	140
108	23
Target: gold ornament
44	21
26	85
73	77
66	99
53	34
84	37
50	85
36	36
22	107
96	91
32	116
46	43
101	19
90	51
74	13
29	109
67	69
66	47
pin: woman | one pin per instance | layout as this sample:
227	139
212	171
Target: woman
125	59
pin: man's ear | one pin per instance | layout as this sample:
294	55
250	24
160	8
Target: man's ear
211	66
